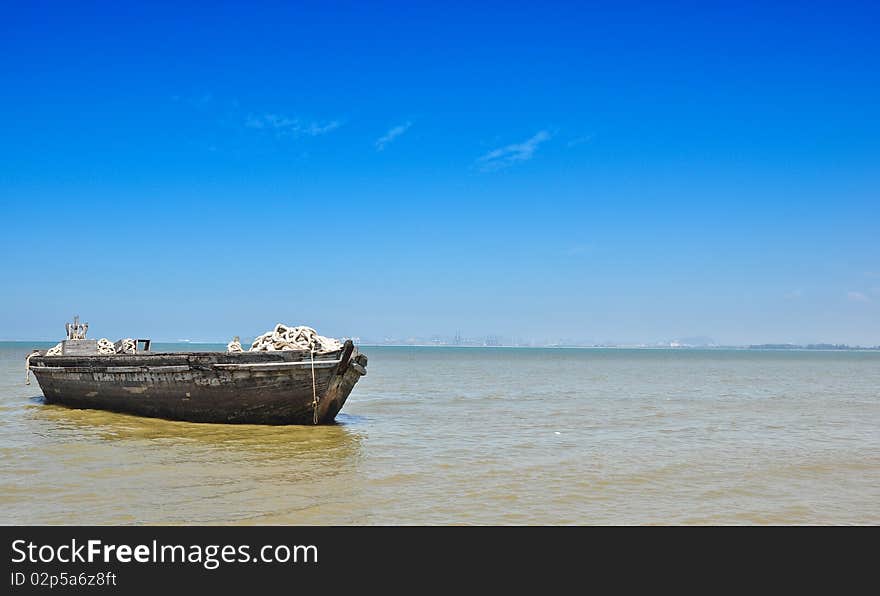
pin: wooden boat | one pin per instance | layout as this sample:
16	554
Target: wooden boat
280	387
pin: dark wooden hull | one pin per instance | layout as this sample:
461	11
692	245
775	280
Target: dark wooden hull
244	387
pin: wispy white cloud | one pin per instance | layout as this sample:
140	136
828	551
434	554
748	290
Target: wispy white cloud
314	129
511	154
391	135
857	297
286	126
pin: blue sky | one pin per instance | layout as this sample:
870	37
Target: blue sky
596	171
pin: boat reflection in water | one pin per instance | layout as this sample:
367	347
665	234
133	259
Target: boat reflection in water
188	473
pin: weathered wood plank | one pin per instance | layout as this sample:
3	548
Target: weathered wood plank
278	365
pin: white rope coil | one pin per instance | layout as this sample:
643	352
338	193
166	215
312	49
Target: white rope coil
105	346
128	346
284	337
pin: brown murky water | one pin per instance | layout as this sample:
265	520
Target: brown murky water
479	436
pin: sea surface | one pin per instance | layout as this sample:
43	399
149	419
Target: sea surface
479	436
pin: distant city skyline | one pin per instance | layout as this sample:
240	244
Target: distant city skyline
631	172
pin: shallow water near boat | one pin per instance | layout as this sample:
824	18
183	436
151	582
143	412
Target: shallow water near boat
479	436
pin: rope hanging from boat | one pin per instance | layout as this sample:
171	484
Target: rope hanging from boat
27	366
314	389
284	337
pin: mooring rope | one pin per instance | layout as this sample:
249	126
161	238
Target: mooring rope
27	366
314	389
